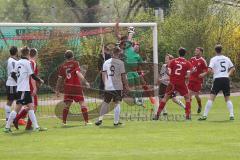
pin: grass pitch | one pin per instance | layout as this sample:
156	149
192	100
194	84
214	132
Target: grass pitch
217	138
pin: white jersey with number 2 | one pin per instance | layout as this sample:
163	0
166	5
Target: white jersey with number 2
220	65
114	69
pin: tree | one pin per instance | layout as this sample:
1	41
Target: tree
136	5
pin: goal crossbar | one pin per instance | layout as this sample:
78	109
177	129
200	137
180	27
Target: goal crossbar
150	24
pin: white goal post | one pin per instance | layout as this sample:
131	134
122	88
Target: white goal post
153	25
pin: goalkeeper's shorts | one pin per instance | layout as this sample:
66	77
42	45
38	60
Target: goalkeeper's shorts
133	78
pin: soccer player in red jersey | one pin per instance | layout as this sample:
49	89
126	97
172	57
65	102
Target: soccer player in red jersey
70	73
179	70
196	78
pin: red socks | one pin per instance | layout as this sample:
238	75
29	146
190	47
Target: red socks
85	113
22	114
188	109
160	108
65	114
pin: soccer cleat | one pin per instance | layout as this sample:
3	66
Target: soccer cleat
118	124
231	118
165	114
15	123
199	110
188	117
88	123
7	130
98	123
39	129
28	128
156	117
64	124
203	118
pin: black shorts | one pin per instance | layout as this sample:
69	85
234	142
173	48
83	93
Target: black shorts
162	91
24	98
11	93
221	84
112	95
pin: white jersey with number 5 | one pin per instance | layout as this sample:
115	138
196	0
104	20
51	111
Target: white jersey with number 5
11	64
114	69
23	71
220	65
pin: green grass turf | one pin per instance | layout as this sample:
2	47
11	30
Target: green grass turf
215	139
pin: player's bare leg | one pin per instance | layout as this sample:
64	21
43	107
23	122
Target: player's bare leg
198	99
65	112
84	110
199	102
230	107
207	107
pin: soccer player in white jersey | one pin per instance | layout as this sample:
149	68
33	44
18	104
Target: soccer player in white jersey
114	78
11	84
22	74
221	67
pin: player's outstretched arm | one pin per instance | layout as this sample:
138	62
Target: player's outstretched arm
117	33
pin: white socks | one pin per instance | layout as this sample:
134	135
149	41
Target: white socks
104	109
207	107
230	108
33	118
11	118
117	113
7	111
180	103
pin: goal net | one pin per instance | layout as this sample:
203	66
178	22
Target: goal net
89	42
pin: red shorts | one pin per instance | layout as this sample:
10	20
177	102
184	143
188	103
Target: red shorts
182	89
72	98
195	86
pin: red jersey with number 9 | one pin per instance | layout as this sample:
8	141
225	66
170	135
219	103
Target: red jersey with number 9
178	68
68	71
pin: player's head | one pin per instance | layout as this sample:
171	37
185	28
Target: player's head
136	46
198	51
107	49
68	54
13	51
168	58
218	48
182	51
33	53
25	52
116	52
